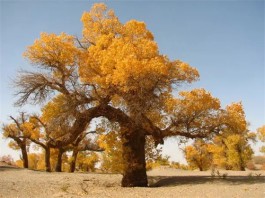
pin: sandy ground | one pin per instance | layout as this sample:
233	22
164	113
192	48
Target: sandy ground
164	182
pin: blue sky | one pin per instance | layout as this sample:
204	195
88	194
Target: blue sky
224	40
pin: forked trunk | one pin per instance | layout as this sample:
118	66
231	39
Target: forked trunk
24	156
73	162
58	167
134	158
47	159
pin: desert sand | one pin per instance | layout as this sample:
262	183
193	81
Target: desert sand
164	182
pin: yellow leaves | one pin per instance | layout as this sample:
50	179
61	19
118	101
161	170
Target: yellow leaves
13	145
86	161
112	157
261	136
231	150
184	72
99	22
53	108
261	133
136	30
194	104
29	129
236	117
198	155
10	129
53	50
124	60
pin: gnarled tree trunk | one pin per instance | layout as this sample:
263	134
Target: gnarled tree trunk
47	159
58	167
134	158
24	155
73	162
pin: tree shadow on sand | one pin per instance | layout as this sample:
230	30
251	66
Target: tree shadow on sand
164	181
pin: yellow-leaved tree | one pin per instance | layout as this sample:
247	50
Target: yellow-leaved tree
18	131
261	136
198	155
116	71
231	148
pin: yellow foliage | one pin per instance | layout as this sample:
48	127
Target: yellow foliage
86	161
236	117
13	145
54	108
124	60
261	133
231	150
53	50
19	163
198	155
112	157
195	111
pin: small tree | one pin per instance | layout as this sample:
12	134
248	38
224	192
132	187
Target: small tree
231	149
198	155
17	131
261	136
86	161
83	144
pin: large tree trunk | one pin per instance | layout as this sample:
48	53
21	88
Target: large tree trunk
24	155
134	160
58	167
73	162
47	159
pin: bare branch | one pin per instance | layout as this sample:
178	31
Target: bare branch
36	87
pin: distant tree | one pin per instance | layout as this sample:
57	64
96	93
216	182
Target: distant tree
83	144
198	156
86	161
17	131
231	149
261	136
51	128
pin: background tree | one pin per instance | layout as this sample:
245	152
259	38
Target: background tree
86	161
86	145
17	131
198	156
231	149
261	136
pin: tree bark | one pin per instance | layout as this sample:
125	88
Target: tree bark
73	162
47	159
24	155
134	160
241	160
58	167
